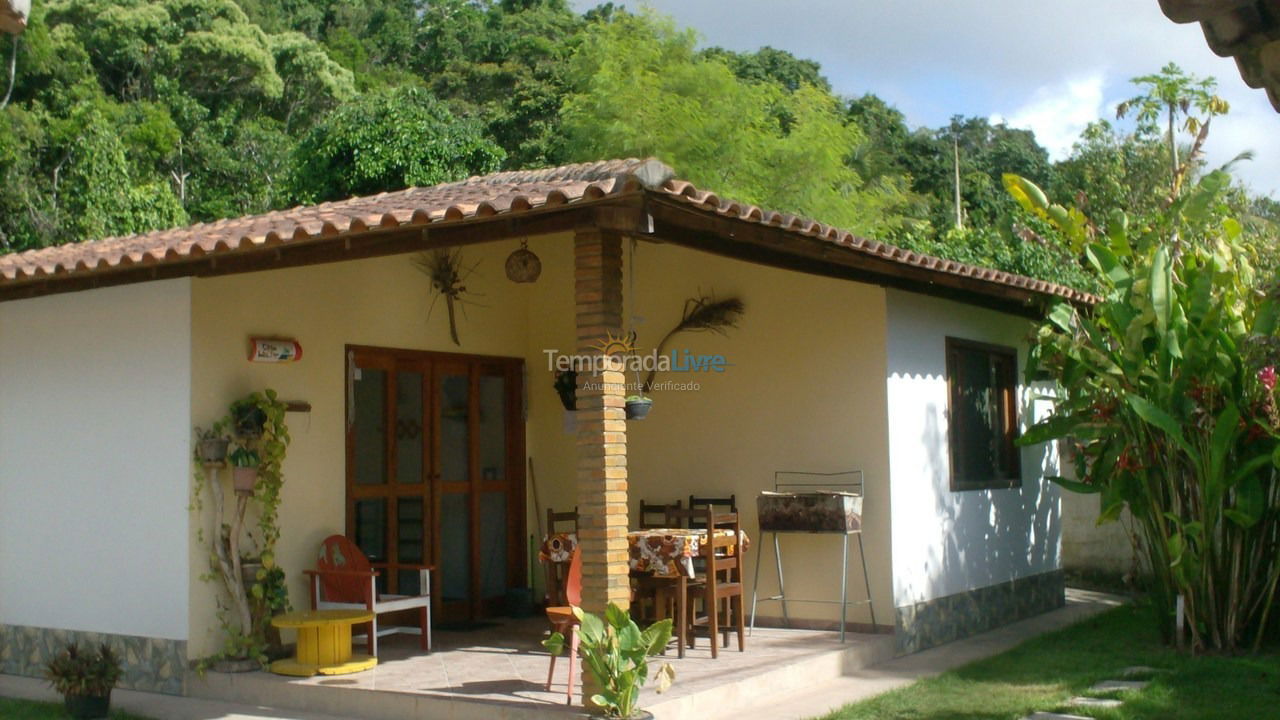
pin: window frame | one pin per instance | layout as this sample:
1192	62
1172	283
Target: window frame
1008	473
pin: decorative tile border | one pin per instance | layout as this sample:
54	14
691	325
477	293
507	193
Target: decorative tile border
151	664
927	624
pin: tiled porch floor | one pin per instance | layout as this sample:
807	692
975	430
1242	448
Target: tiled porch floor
500	671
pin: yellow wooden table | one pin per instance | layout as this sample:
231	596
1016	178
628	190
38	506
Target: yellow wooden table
324	643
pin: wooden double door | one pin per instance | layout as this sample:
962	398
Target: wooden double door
435	473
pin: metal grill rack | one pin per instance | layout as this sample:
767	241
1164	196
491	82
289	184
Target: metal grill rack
814	503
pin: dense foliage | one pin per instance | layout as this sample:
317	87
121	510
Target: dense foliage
140	114
1169	406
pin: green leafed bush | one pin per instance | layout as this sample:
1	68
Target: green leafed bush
1169	407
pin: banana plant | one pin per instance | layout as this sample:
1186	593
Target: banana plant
1168	404
616	653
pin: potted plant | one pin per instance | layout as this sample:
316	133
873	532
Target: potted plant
616	653
85	680
248	418
566	386
244	474
638	407
211	444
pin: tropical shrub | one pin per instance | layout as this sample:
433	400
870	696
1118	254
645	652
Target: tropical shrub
616	654
1168	405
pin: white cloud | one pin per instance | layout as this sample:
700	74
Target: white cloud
1026	61
1058	113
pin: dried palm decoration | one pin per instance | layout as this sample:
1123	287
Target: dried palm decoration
447	273
703	313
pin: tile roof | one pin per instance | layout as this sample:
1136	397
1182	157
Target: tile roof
504	193
1246	30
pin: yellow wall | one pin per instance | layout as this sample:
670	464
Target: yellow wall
806	390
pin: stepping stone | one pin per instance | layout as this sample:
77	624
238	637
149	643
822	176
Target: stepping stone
1054	716
1118	686
1137	670
1090	702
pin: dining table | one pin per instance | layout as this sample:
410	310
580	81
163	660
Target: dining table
663	552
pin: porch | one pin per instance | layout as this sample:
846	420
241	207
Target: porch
500	671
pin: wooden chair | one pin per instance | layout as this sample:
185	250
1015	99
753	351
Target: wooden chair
648	513
648	589
554	517
344	580
722	581
565	622
557	571
723	504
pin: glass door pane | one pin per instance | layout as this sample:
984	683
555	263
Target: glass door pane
493	531
410	425
410	541
454	455
370	446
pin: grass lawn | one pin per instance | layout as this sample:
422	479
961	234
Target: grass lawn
1043	673
11	709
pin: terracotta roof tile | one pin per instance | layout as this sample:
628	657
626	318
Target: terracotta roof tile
501	193
1246	30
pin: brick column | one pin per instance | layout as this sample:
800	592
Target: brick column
602	426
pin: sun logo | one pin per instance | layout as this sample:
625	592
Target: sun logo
612	344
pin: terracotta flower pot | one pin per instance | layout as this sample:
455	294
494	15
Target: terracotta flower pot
243	479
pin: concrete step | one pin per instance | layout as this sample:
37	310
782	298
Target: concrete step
742	695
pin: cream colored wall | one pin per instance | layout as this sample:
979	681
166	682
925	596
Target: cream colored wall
379	302
806	390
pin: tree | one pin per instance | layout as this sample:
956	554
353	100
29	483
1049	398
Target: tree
771	65
388	141
1173	94
643	90
1168	408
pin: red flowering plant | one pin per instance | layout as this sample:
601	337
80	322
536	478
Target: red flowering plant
1167	392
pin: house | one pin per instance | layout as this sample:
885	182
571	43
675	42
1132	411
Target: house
851	354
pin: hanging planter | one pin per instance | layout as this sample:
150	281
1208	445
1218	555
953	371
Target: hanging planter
638	407
522	265
567	388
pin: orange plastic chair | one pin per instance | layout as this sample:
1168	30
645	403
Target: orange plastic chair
565	622
344	579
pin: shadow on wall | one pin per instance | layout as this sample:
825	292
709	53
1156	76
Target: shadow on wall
988	536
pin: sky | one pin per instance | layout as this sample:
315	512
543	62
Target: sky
1048	66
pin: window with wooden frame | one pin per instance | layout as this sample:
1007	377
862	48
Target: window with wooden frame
982	383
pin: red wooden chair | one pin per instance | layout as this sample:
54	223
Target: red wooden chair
343	579
565	622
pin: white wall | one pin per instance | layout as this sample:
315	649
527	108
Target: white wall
948	542
95	392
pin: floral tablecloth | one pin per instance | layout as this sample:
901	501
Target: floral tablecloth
663	551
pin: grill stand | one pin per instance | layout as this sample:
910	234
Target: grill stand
844	559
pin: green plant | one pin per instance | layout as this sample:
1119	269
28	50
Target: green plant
1168	408
616	654
248	417
244	457
566	386
245	613
639	398
77	672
